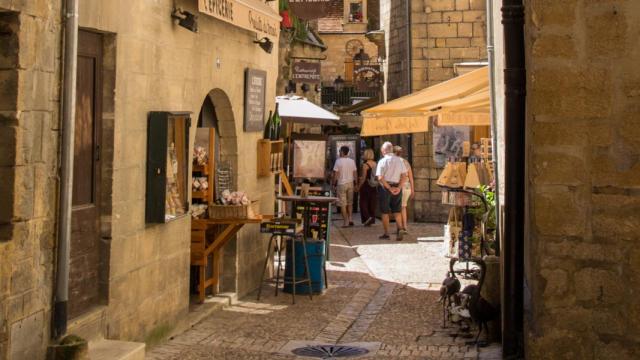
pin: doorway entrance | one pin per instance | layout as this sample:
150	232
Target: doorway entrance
214	170
86	262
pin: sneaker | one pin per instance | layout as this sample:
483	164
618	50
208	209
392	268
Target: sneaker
384	237
368	222
403	232
399	236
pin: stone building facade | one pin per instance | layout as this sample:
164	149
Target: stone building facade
442	33
148	64
29	128
583	174
338	31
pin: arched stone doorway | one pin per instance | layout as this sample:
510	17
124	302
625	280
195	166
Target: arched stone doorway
216	123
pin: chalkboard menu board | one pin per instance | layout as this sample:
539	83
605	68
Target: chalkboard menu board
255	83
318	219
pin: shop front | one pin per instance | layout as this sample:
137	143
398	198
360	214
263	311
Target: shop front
456	113
185	91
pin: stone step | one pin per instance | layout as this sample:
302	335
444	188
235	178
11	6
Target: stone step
116	350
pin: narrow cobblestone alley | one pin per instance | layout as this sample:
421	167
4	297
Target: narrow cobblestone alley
382	296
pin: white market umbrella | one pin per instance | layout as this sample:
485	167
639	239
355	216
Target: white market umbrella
300	110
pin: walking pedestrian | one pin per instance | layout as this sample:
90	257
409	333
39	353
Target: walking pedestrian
408	189
345	176
368	188
392	175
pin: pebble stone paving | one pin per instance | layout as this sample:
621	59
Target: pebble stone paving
381	292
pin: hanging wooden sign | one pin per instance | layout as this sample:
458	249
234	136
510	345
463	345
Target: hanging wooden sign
309	9
367	77
306	72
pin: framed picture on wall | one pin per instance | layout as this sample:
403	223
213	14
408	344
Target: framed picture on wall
309	158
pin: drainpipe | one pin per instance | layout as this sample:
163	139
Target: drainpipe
494	119
513	250
59	327
409	44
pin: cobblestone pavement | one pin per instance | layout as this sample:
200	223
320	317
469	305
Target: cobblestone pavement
382	295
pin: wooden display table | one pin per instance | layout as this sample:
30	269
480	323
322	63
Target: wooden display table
209	236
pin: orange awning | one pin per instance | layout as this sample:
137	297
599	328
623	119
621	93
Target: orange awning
463	100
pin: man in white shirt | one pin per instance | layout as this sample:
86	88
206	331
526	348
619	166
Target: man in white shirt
345	174
392	174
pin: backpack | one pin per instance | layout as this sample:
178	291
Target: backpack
372	181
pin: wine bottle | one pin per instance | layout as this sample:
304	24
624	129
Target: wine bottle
277	124
267	127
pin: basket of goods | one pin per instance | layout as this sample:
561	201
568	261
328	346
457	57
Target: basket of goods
232	205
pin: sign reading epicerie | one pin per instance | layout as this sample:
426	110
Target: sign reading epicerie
257	17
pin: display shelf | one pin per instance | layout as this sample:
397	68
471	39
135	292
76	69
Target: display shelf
203	169
202	195
270	156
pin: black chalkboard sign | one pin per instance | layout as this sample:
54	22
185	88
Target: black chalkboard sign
255	84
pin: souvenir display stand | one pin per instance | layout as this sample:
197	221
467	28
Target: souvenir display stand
464	185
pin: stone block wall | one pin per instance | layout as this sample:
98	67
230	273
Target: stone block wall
583	176
336	54
393	20
443	33
160	66
29	122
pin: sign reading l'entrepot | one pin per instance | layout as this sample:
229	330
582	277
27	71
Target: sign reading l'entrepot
306	72
254	99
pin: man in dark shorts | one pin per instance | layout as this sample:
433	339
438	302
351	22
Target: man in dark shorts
392	174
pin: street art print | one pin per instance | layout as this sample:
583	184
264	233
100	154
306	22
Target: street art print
351	144
448	143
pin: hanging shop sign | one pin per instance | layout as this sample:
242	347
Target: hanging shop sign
309	9
306	72
245	14
367	77
255	82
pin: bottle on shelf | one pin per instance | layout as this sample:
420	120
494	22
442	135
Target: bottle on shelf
276	123
268	127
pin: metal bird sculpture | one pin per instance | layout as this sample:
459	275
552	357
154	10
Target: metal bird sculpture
481	310
450	287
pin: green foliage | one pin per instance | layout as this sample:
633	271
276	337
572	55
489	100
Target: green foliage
299	26
478	212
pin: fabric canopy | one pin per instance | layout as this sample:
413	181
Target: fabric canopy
300	110
463	100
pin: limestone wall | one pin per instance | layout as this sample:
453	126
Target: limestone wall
393	20
29	123
583	163
161	66
337	55
443	33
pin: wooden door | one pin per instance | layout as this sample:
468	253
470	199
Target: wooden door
84	291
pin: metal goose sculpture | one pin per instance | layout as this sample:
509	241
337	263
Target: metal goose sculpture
450	287
480	309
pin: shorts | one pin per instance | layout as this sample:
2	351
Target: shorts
345	194
389	204
406	193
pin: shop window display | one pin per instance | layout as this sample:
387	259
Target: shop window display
167	166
